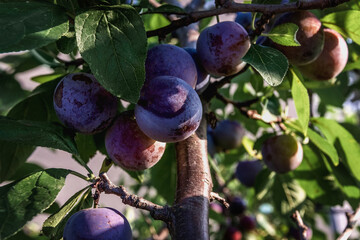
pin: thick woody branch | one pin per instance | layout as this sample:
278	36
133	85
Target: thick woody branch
157	212
302	227
232	7
352	222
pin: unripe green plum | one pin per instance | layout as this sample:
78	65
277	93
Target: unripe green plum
310	35
129	147
97	224
221	48
282	153
332	59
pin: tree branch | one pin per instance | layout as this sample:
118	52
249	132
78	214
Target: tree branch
302	227
158	212
352	221
232	7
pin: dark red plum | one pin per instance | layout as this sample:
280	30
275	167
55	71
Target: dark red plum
246	172
129	147
282	153
247	223
332	59
170	60
82	104
232	233
202	75
221	48
237	206
310	35
228	134
97	224
168	110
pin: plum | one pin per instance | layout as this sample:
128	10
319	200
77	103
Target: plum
97	224
247	223
232	233
221	48
332	59
310	35
168	110
129	147
228	134
202	75
246	172
170	60
216	207
295	233
237	206
82	104
282	153
211	148
244	19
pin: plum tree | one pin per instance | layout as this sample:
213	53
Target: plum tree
247	223
170	60
332	59
82	104
246	171
97	224
310	35
221	48
232	233
228	134
282	153
202	75
129	147
168	110
237	205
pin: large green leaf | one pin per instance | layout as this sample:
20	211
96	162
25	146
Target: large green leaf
30	25
53	225
269	62
163	174
37	107
36	133
284	34
346	145
113	42
10	92
345	22
324	145
301	100
20	201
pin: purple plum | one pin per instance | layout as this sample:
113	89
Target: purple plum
221	48
168	110
237	206
228	134
170	60
232	233
97	224
129	147
246	172
82	104
247	223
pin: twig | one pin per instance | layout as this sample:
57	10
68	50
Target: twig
157	212
216	196
352	221
232	7
302	227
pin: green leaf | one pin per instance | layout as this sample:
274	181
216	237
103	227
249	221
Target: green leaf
86	146
53	222
10	92
284	34
20	201
113	43
35	133
345	22
263	183
37	107
47	77
269	62
347	147
301	100
163	174
67	43
324	145
24	170
287	194
30	25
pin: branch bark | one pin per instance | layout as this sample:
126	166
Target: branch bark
194	185
352	221
232	7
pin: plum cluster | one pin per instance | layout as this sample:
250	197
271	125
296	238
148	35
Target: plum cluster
323	52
